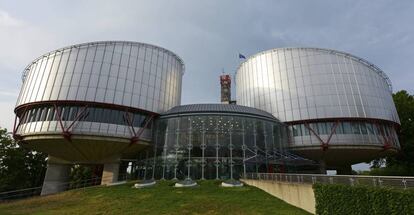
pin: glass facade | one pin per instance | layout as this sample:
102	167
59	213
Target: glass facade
361	132
216	146
84	114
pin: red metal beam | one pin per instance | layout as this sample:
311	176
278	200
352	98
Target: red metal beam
59	117
128	119
16	127
387	145
141	130
79	115
324	144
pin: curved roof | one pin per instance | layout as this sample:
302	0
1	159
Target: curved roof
80	45
218	108
331	51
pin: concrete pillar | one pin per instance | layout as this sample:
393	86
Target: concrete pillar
56	178
322	167
110	173
344	170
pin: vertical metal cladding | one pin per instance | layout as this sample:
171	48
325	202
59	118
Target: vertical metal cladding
306	83
110	89
301	86
124	73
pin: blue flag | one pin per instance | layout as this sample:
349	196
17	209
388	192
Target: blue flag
241	56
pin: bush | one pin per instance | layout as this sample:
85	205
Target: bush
345	199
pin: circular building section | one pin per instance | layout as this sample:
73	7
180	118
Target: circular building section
216	141
339	107
91	102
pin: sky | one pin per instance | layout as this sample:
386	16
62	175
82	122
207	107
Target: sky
207	35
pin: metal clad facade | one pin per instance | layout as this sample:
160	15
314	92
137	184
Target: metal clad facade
328	98
123	73
305	83
115	73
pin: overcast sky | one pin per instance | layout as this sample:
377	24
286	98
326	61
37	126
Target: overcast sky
207	35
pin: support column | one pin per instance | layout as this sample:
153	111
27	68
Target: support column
110	173
56	178
322	167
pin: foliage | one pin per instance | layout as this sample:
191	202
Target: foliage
19	167
345	199
403	162
81	175
163	198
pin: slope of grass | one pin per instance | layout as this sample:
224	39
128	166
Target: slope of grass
208	198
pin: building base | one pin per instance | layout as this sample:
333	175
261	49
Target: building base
110	173
56	178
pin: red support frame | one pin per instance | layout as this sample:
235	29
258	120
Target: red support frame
324	145
386	140
66	133
136	135
16	127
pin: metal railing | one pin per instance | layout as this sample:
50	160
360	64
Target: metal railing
36	191
380	181
64	186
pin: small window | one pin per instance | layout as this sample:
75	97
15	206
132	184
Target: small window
347	127
363	128
305	130
51	114
370	128
339	129
355	128
322	129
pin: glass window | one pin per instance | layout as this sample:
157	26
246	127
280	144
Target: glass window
92	114
33	115
355	128
305	130
370	128
51	114
44	113
347	127
322	128
363	128
339	128
314	127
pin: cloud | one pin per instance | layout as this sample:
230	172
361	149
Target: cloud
7	21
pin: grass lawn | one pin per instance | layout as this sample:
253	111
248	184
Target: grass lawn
207	198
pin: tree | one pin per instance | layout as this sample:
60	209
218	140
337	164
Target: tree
19	167
403	162
404	103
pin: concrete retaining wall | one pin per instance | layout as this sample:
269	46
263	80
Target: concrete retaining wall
299	195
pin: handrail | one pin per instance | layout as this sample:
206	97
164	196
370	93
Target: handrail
381	181
71	185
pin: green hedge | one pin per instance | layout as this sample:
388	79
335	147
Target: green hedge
345	199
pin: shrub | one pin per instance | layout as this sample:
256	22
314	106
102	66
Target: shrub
345	199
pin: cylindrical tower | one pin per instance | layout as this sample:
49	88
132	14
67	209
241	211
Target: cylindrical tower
90	102
339	107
